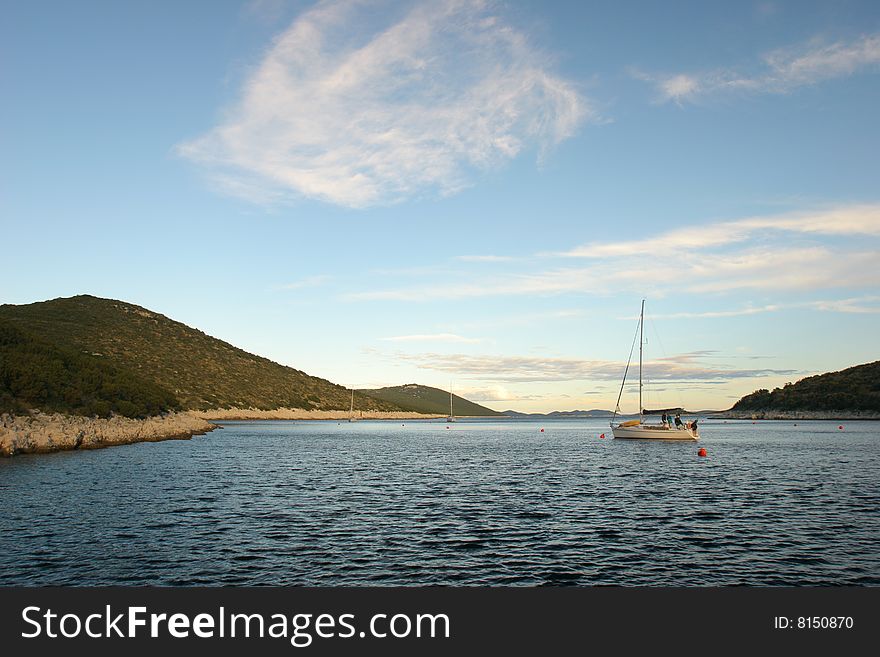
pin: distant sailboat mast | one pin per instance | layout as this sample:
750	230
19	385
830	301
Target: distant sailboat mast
641	346
351	410
451	417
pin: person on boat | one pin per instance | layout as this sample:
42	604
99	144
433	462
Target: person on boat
678	420
693	425
665	420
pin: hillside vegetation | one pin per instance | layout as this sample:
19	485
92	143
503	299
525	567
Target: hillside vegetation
424	399
93	351
853	389
35	374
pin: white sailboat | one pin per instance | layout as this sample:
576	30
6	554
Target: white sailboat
451	417
639	429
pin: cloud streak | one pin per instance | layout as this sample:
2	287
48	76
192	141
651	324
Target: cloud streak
526	369
414	100
783	71
780	252
846	221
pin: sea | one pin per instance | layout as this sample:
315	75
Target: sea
478	502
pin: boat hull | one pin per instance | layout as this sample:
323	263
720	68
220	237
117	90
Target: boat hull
653	433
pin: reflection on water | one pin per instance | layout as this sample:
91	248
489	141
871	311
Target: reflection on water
478	503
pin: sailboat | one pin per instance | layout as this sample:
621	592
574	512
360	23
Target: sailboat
351	417
639	429
451	417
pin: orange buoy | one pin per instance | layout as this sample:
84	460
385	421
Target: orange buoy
701	451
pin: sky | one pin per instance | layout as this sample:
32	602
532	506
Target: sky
466	194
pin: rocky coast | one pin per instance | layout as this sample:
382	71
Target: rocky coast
39	433
302	414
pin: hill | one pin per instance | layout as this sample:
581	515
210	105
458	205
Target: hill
425	399
112	350
855	389
36	374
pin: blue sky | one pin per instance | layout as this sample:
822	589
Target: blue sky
460	192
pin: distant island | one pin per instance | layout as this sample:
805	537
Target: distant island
83	372
853	393
560	414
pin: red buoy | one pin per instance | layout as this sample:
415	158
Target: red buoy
542	431
840	427
601	435
701	451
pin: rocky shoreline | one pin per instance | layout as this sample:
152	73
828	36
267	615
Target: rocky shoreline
40	433
302	414
796	415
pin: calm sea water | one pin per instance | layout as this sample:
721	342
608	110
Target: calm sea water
479	503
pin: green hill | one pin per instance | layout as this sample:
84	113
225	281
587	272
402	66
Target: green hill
853	389
108	350
36	374
425	399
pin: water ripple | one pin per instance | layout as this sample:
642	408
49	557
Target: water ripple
481	503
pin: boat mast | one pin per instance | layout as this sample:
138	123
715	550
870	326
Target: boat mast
641	342
450	400
351	410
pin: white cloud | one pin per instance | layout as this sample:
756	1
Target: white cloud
522	369
492	393
750	310
779	252
857	305
784	70
432	337
844	221
359	107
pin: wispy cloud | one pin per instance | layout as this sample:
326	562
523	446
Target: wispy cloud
752	269
750	310
432	337
491	394
844	220
857	305
756	253
783	70
522	369
357	106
